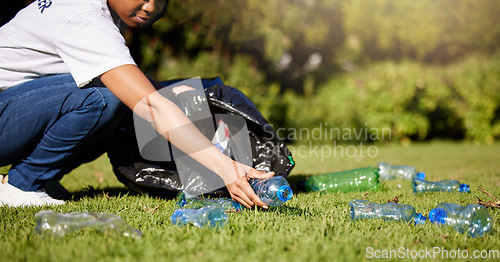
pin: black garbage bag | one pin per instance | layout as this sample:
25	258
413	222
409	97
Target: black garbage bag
160	178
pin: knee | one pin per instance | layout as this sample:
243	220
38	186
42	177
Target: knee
110	108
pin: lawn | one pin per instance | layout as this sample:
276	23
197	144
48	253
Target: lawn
310	227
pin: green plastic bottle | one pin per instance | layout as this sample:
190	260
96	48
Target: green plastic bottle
361	179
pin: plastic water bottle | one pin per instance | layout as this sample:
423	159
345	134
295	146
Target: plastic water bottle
361	179
189	202
51	223
387	171
273	191
473	219
362	209
420	186
211	216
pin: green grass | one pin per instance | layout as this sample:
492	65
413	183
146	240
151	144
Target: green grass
310	227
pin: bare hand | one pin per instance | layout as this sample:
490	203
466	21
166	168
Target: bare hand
241	191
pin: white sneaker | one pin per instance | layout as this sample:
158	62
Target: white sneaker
15	197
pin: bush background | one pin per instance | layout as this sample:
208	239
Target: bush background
424	69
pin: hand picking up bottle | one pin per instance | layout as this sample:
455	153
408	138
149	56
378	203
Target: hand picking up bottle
185	201
387	171
201	212
361	179
474	219
362	209
51	223
420	186
211	216
273	191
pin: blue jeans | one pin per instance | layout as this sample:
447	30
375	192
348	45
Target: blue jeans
49	126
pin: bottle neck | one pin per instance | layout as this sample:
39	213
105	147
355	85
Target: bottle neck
420	219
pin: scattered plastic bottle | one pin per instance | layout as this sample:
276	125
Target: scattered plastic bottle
473	219
360	179
387	171
362	209
211	216
420	186
51	223
189	202
273	191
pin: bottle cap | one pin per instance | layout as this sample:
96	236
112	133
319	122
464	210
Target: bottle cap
437	215
181	199
420	219
285	193
420	176
237	206
464	188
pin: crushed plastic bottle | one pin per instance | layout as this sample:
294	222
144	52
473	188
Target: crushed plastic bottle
387	171
362	209
189	202
51	223
473	219
211	216
420	186
273	191
360	179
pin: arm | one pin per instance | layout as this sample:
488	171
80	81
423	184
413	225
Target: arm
135	90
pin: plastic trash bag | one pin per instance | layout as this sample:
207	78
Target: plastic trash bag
160	177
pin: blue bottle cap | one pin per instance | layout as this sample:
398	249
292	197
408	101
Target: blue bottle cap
420	219
285	193
437	215
464	188
181	199
237	206
420	176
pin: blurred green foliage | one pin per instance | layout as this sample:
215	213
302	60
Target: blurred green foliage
423	69
342	32
412	100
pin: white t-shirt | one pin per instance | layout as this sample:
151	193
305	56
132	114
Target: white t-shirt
61	36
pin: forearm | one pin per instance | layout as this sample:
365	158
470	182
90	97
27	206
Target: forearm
173	124
136	91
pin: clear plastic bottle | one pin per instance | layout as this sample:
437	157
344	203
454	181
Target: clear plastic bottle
360	179
473	219
51	223
273	191
362	209
185	201
420	186
211	216
387	171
